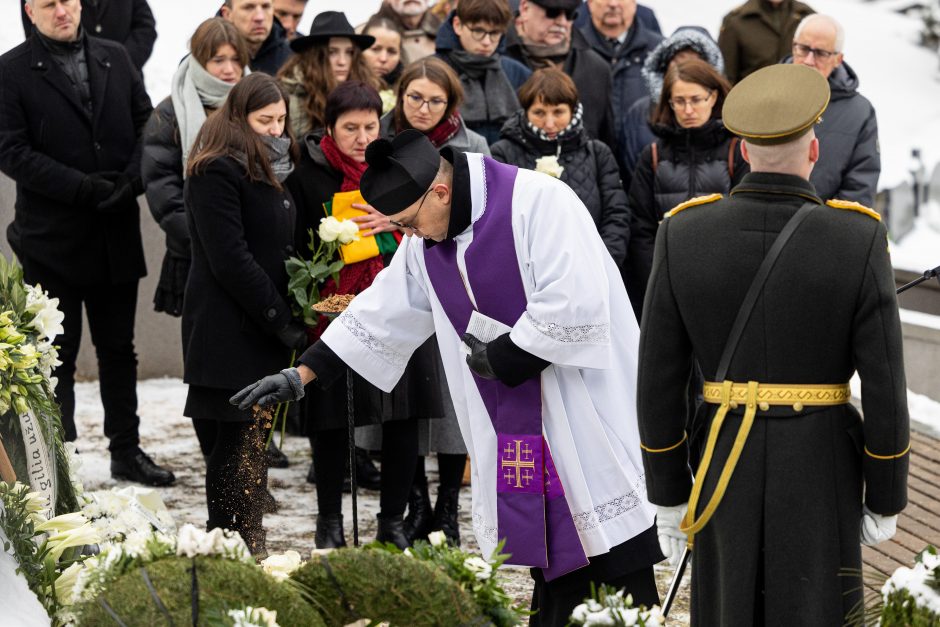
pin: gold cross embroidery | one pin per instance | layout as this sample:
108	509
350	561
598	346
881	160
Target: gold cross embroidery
516	464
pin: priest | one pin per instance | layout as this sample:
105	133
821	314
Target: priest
539	344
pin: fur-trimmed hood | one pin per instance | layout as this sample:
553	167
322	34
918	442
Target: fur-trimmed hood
695	37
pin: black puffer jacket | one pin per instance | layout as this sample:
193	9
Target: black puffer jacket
689	163
161	167
590	169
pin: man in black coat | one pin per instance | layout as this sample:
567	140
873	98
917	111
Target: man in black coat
267	39
542	36
791	480
128	22
72	110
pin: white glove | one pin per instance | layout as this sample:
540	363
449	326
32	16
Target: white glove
877	528
671	540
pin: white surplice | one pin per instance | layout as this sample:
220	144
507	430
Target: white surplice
578	317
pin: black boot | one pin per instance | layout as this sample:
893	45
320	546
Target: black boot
367	475
311	474
276	457
419	520
445	514
391	529
329	533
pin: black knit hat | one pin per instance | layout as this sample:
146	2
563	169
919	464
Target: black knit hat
400	171
330	24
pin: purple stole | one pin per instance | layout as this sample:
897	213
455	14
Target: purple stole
532	512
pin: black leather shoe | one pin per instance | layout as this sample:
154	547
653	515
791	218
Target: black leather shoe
445	514
367	475
276	457
137	466
329	533
392	529
268	502
419	519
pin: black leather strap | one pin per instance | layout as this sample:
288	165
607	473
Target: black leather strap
757	285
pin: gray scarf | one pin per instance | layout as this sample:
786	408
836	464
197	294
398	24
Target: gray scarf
192	91
279	156
488	95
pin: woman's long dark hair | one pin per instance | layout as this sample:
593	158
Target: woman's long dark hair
691	71
226	133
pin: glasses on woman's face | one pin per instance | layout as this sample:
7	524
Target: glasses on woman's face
696	102
479	34
800	51
416	101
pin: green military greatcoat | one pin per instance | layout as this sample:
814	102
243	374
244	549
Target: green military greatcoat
779	544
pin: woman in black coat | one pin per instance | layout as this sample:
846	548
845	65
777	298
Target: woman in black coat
548	135
237	324
330	163
693	155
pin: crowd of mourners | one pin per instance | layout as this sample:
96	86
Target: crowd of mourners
265	125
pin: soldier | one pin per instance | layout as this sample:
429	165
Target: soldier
778	497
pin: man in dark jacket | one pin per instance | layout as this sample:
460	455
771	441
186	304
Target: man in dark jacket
542	36
757	34
289	13
791	480
72	110
623	42
128	22
849	162
267	39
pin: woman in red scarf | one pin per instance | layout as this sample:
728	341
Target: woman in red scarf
333	161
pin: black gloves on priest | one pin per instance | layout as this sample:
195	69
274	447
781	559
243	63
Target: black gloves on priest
502	360
271	390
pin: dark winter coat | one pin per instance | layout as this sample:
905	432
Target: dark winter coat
417	394
49	144
587	70
690	162
589	169
128	22
637	131
161	167
273	53
626	64
849	159
750	38
782	545
242	232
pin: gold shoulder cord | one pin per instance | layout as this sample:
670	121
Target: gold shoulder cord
884	457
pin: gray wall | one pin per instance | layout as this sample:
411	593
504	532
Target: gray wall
158	335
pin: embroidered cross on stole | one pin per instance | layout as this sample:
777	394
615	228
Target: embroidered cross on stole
532	512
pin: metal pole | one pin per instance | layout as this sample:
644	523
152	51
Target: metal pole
676	580
928	274
351	420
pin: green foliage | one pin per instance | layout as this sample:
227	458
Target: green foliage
901	610
900	606
222	584
350	584
305	276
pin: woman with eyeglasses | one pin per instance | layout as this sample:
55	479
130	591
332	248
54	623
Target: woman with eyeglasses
331	54
693	155
333	161
469	41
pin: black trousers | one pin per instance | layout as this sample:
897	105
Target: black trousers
553	601
111	310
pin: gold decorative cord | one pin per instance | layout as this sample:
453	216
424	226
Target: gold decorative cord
667	449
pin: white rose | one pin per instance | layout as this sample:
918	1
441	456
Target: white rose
437	538
349	233
330	229
549	165
480	568
281	565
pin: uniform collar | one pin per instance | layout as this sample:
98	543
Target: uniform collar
778	184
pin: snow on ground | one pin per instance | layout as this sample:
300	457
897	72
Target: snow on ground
924	411
919	250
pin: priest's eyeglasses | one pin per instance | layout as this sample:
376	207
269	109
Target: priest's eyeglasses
696	102
409	225
416	101
800	51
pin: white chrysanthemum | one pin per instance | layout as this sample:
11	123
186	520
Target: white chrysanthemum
253	617
480	568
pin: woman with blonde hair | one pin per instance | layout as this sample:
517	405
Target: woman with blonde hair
331	54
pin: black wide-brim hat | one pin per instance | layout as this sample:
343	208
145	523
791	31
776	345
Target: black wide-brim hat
330	24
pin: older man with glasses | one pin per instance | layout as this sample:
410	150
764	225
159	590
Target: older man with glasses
849	162
542	35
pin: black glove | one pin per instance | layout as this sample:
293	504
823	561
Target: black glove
478	360
276	388
293	336
124	194
94	189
